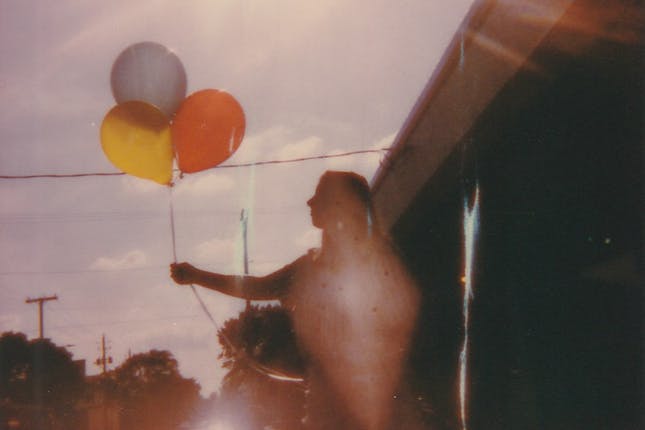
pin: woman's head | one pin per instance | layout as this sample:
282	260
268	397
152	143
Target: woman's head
341	199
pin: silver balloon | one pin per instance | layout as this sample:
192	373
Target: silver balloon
151	73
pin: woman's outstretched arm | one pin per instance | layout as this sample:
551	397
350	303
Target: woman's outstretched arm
273	286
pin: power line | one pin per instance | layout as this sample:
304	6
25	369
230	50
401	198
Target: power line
127	321
315	157
223	166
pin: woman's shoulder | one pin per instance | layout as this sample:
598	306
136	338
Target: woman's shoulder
299	263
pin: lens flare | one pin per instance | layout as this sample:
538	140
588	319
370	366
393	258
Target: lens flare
471	228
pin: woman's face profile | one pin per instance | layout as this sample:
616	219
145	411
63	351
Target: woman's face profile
320	204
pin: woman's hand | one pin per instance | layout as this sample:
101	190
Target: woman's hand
182	273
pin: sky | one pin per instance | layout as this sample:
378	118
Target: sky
314	78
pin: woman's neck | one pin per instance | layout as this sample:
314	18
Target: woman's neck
341	237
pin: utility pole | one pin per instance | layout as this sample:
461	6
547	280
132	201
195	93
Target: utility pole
41	301
103	360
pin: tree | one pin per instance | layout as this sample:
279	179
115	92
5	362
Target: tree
259	347
39	382
14	367
152	392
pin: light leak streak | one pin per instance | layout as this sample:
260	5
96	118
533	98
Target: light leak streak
471	228
503	52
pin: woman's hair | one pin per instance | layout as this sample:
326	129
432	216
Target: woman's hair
344	182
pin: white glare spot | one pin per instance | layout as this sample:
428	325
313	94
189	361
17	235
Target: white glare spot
231	141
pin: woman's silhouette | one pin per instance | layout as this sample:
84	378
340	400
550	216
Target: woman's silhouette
352	304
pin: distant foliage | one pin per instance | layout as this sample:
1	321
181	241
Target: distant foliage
42	388
152	393
40	384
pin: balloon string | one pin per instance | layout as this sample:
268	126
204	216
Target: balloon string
174	256
270	373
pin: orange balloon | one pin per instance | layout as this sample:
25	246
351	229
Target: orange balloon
207	129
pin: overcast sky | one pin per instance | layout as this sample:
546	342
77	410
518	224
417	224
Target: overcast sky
314	78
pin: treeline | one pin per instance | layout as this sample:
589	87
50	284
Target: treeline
43	388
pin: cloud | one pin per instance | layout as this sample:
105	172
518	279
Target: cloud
205	184
307	147
257	147
130	260
216	250
276	143
385	142
363	164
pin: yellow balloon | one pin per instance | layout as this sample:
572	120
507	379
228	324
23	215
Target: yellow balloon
135	137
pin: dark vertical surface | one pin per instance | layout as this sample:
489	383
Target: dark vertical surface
557	316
